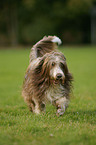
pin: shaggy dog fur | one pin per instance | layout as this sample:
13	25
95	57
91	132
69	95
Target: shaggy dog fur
47	77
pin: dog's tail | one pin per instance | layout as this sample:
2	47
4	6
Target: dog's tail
45	45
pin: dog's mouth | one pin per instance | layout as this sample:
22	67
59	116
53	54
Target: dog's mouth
57	81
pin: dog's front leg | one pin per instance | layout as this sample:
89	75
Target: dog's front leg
60	110
61	105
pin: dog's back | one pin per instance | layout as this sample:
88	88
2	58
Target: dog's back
45	45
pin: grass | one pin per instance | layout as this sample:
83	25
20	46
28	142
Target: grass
77	126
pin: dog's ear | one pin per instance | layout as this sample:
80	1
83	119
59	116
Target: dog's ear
40	77
67	73
68	80
38	68
69	76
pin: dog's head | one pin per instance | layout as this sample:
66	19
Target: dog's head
54	66
58	68
53	69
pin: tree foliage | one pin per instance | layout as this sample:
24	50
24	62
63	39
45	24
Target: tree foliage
27	21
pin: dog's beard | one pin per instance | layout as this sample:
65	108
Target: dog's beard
57	81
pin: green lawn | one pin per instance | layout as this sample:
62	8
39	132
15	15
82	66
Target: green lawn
18	126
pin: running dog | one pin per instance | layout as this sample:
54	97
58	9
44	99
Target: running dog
47	77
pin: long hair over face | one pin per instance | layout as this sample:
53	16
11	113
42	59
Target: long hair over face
41	74
41	78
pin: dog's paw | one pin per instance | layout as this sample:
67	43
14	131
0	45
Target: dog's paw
60	110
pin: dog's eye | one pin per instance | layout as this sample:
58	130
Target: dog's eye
53	63
62	65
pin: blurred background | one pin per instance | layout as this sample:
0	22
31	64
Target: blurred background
24	22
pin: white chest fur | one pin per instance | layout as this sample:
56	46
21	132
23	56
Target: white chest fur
55	92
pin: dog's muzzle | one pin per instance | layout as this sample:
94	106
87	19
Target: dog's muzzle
59	76
59	79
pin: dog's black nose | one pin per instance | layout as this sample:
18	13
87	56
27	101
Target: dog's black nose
59	76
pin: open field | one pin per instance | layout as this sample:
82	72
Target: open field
18	126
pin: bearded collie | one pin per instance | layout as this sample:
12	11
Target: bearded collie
47	77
